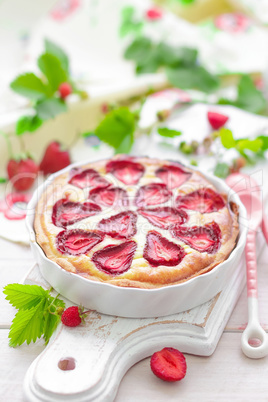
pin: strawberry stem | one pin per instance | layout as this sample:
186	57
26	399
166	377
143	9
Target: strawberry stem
8	143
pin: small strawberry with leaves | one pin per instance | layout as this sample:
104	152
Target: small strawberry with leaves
39	313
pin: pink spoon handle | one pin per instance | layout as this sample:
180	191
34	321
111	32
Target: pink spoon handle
251	264
264	226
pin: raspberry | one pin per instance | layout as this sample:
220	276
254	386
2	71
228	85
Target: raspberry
71	317
169	364
65	90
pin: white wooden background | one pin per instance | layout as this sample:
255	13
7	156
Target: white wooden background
227	375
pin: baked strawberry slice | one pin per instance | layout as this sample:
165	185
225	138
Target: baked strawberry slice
160	251
217	120
206	239
204	200
115	260
120	226
127	171
66	212
88	178
169	364
173	176
109	196
77	241
164	217
152	194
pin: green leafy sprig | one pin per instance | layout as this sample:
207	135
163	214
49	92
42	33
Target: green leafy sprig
42	91
38	313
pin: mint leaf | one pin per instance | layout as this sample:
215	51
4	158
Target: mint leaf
27	325
25	296
249	97
51	321
227	138
52	69
251	145
28	124
171	56
59	53
150	63
192	78
139	50
30	86
50	108
3	180
129	24
264	139
221	170
116	125
167	132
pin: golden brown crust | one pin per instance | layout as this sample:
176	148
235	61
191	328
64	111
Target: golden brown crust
141	274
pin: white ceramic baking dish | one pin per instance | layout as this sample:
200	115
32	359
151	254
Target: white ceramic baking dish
134	302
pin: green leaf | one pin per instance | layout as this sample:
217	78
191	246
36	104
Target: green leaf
116	125
126	145
52	69
139	50
264	139
51	321
221	170
58	52
28	124
50	108
150	64
249	97
227	138
3	180
171	56
27	325
30	86
167	132
251	145
25	296
129	24
192	78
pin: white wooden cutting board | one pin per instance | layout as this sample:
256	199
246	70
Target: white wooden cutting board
87	363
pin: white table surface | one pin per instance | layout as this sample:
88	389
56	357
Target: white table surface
227	375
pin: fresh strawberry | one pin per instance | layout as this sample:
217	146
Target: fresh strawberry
120	226
54	158
217	120
205	239
204	200
22	173
164	217
77	241
71	316
160	251
115	260
152	194
88	178
66	212
173	176
153	14
65	89
169	364
127	171
109	196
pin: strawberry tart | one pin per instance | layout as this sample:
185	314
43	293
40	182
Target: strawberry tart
135	222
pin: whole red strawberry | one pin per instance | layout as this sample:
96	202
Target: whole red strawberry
217	120
71	316
54	158
65	89
22	173
153	14
169	364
